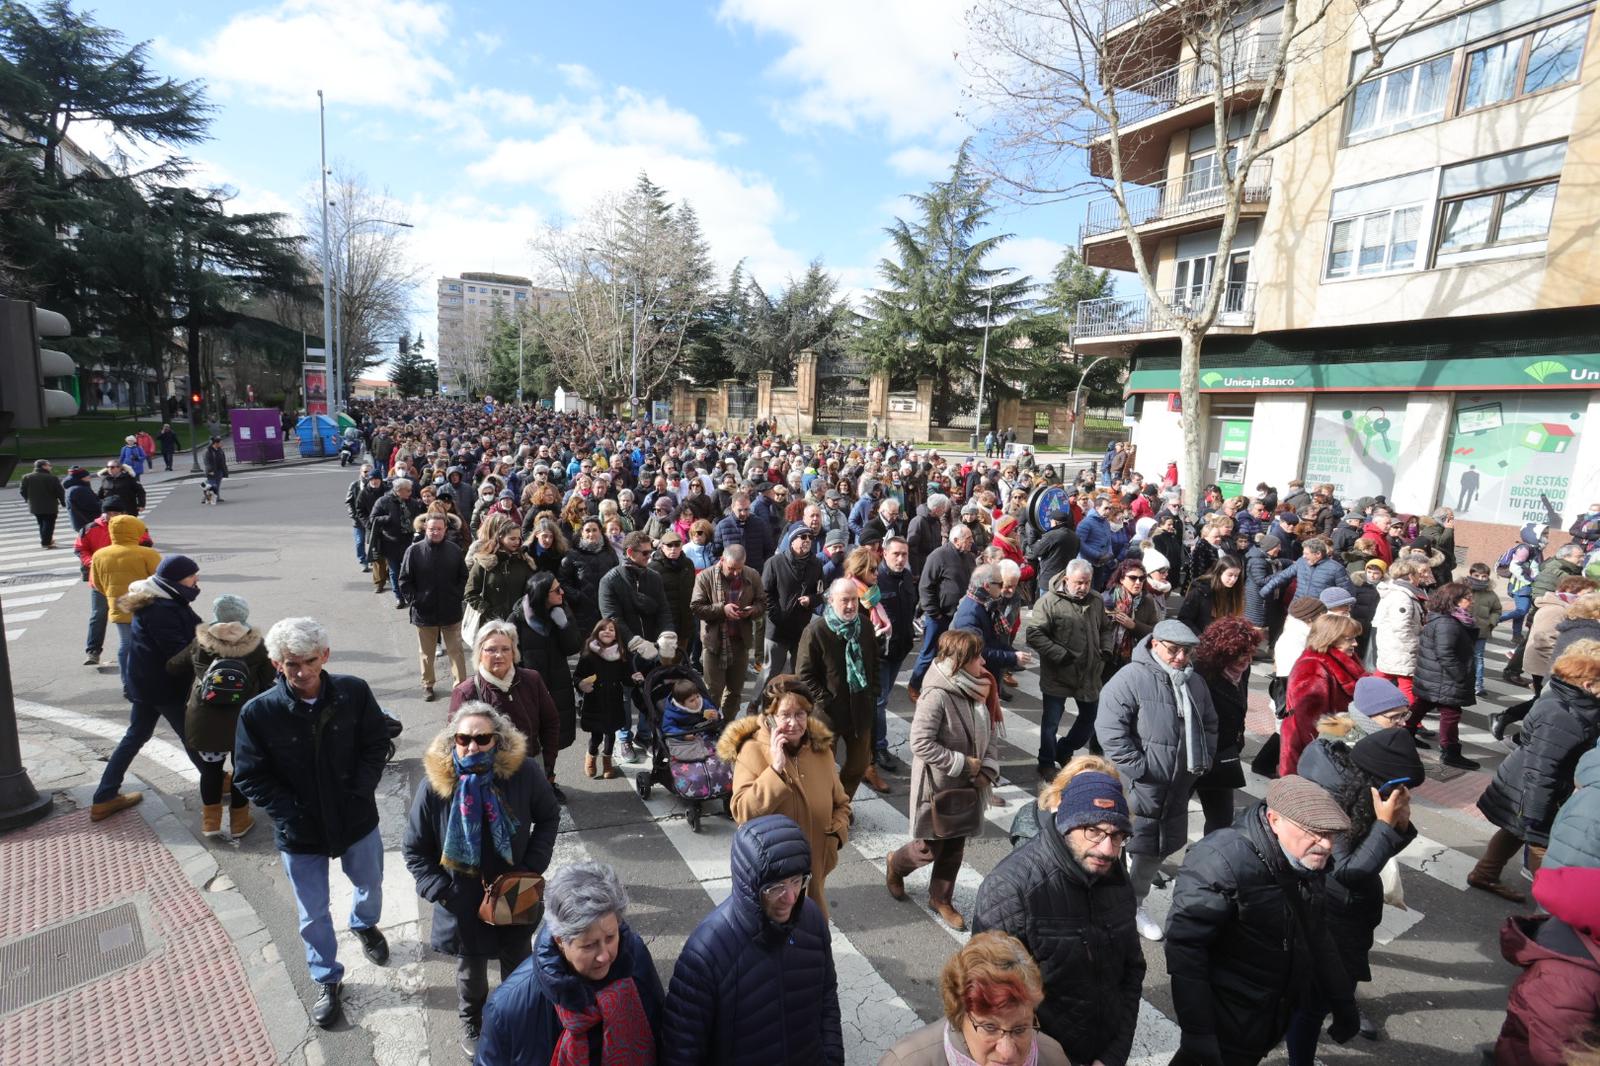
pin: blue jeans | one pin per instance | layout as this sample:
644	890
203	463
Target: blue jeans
308	876
1523	598
888	670
361	544
1478	647
124	642
96	640
932	629
644	732
142	719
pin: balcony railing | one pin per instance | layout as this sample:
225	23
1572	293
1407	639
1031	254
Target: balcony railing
1195	193
1191	81
1116	315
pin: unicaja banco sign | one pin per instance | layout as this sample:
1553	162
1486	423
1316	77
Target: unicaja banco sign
1491	373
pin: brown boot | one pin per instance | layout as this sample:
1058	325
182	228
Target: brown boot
894	879
873	781
240	821
211	820
607	771
588	766
99	812
939	898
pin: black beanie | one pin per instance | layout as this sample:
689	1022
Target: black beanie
1389	755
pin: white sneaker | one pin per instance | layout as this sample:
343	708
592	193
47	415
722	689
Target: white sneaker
1147	926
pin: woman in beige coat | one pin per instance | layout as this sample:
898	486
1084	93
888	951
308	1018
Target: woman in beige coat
952	745
1536	658
783	764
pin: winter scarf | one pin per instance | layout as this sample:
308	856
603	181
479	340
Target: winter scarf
855	667
609	652
1118	599
1464	616
174	590
477	800
625	1037
982	692
502	685
1194	738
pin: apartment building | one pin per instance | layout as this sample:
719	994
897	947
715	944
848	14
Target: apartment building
1411	302
467	308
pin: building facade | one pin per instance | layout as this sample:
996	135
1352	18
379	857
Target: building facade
467	308
1410	303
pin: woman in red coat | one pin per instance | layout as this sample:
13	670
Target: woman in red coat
1552	1006
1321	683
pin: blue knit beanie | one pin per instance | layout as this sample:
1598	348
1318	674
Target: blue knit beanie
1093	798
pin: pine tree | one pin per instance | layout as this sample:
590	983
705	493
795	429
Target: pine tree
413	375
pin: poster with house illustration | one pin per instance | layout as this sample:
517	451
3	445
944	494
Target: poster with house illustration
1508	453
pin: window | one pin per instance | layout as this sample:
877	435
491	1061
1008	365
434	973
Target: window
472	288
1515	219
1533	62
1413	96
453	288
1374	243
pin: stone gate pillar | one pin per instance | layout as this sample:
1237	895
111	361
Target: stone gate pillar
805	384
763	395
878	402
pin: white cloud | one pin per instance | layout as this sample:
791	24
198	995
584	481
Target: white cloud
1034	256
578	76
360	52
889	63
915	161
489	43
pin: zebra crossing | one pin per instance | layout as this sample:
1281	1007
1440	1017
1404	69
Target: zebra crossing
678	874
32	578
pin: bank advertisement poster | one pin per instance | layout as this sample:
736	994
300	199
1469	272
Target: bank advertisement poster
1353	443
1509	453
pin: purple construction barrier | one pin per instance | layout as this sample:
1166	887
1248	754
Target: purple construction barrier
257	434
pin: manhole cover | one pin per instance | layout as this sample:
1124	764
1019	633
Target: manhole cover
46	964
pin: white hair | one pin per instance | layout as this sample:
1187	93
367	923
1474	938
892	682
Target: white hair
1079	566
959	530
503	726
577	896
297	637
937	502
841	584
1009	570
402	483
498	627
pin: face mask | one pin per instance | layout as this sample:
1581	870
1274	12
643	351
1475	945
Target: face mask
1118	525
590	543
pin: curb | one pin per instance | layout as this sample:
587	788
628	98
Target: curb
281	1011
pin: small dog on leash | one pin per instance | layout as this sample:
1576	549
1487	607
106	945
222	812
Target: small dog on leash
210	495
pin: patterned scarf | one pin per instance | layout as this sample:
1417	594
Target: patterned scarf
625	1038
477	800
855	667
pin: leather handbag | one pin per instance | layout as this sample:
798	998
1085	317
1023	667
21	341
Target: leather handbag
513	899
957	811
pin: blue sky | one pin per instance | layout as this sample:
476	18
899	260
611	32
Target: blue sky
792	127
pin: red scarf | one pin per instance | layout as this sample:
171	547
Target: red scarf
625	1037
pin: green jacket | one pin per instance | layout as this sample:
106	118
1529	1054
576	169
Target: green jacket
1550	575
1066	634
1486	609
43	493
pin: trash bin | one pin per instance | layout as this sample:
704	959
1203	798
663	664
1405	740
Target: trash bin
319	436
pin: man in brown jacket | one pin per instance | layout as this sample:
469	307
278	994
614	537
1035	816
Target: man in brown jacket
727	598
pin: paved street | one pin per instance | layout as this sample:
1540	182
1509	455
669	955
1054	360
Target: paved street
283	542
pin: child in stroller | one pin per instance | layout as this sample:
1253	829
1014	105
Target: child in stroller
685	756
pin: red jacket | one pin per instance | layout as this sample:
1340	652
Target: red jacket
1557	998
97	535
1380	539
1321	683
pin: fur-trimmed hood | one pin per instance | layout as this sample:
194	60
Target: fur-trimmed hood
227	640
740	730
140	595
454	521
1338	727
508	759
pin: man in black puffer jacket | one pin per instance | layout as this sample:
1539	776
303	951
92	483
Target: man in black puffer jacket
755	983
792	580
1246	940
1066	896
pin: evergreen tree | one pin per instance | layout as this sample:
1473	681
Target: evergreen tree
1056	371
413	375
939	292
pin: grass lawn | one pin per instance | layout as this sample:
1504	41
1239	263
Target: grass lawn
95	437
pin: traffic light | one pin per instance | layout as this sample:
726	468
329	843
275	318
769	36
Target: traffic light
25	402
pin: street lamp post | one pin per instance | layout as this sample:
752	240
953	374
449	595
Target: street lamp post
335	362
983	372
327	265
1072	440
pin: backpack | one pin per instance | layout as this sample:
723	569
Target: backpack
226	685
1502	565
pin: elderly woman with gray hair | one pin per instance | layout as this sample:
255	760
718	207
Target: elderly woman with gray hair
515	691
482	809
589	992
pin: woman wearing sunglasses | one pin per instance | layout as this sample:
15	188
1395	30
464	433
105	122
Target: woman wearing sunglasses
482	809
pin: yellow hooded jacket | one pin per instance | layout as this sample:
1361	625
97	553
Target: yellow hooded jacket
121	563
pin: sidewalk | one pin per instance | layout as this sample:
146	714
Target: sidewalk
121	943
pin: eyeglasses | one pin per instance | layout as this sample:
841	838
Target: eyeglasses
790	719
466	740
778	889
1133	577
1095	835
995	1032
1177	651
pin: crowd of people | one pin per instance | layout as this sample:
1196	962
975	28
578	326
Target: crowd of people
626	581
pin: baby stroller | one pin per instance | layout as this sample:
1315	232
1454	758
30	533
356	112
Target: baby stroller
686	765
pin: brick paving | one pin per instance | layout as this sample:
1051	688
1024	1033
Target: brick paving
188	1001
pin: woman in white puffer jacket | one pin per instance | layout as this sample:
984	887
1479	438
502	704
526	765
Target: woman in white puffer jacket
1397	626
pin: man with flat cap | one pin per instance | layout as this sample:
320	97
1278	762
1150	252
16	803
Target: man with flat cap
1156	723
1247	942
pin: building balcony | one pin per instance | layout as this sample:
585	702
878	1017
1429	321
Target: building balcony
1195	201
1151	111
1115	320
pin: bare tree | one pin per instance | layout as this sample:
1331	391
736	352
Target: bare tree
1059	80
374	278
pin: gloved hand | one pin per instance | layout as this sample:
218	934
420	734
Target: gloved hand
642	648
558	615
1346	1022
667	646
1195	1050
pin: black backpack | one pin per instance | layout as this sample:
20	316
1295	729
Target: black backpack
226	685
